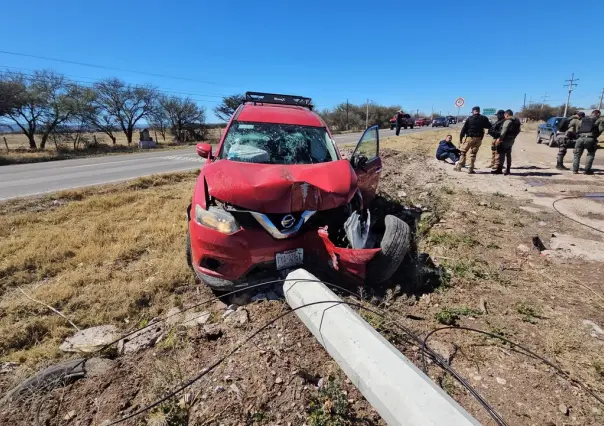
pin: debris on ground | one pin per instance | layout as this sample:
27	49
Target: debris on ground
143	339
90	339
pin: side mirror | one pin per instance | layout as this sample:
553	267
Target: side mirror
204	150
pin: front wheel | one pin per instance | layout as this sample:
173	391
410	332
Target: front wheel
395	245
538	137
552	141
411	127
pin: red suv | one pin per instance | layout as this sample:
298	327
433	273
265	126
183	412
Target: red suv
277	194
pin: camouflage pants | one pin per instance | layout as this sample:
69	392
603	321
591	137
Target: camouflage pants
504	153
563	143
471	145
494	156
588	144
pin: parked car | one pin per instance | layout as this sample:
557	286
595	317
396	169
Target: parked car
420	122
548	131
451	119
440	122
407	122
277	195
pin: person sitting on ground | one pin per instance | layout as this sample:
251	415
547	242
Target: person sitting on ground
446	150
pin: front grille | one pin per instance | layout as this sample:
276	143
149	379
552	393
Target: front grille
277	218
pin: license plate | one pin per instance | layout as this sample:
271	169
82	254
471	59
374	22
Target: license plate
290	258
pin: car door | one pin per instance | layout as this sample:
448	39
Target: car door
548	129
367	163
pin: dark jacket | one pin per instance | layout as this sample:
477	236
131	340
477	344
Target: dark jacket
495	130
445	146
474	126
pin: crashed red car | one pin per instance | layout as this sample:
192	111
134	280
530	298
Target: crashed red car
277	195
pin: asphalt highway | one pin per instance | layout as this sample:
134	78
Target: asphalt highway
39	178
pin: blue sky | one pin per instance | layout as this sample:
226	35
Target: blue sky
417	54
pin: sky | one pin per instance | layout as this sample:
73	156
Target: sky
419	55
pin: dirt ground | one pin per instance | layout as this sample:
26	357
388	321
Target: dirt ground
474	265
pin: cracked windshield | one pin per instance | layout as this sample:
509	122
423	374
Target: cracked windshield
278	144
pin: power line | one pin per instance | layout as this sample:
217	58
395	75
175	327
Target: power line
543	100
571	86
66	61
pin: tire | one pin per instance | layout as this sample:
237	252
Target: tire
538	137
405	127
552	141
395	244
412	127
188	248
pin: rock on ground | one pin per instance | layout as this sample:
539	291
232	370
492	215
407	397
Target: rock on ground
90	339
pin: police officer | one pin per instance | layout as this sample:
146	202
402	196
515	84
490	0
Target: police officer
571	135
495	132
589	131
470	138
509	130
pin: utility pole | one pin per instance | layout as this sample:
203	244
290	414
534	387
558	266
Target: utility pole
543	100
417	113
524	104
346	114
571	86
601	97
367	115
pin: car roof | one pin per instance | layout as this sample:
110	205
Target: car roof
282	114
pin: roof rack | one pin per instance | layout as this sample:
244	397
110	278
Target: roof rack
272	98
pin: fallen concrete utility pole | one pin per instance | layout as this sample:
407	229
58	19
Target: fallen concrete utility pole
399	391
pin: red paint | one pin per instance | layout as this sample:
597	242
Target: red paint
352	261
271	188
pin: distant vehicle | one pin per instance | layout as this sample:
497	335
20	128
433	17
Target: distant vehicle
420	122
451	119
548	131
407	122
440	122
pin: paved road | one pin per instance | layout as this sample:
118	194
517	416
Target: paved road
32	179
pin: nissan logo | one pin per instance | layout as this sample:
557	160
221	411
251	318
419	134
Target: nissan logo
288	221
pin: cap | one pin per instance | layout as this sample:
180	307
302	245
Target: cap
476	108
596	111
500	112
581	114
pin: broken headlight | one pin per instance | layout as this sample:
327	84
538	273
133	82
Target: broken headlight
216	218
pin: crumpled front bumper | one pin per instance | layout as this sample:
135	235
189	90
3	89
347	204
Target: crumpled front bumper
248	256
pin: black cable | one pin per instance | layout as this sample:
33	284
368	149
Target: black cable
191	381
570	218
525	349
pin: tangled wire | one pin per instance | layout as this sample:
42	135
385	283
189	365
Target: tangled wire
426	351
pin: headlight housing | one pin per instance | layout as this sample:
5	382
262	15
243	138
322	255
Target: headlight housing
217	219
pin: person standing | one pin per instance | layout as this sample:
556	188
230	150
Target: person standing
509	130
495	132
446	150
571	135
470	138
587	139
400	117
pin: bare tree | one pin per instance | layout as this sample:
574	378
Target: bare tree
183	114
160	121
225	110
122	104
46	100
10	95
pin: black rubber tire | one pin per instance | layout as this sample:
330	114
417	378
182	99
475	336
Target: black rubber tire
395	245
552	141
538	137
411	127
188	249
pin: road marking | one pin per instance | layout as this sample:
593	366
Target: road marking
183	158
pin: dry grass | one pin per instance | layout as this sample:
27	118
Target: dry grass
99	255
19	147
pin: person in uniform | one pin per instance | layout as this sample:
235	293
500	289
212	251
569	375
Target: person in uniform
509	130
495	132
587	139
564	141
470	138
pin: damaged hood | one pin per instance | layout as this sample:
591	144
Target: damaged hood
276	188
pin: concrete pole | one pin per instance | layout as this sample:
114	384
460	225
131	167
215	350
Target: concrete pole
367	114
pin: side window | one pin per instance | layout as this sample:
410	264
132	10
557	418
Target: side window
551	121
368	145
